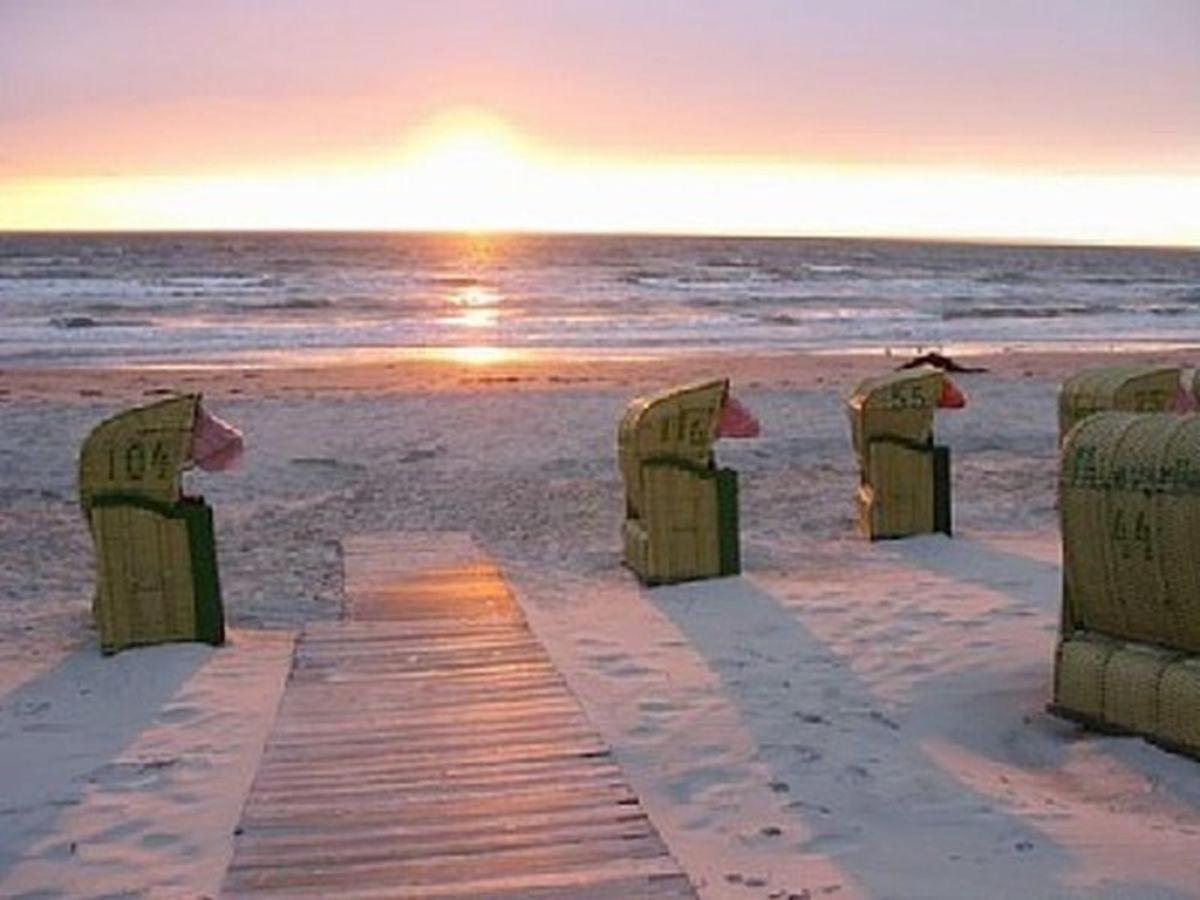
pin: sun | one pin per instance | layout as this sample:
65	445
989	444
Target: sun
476	162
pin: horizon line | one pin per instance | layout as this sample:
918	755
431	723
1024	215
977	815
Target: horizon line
972	240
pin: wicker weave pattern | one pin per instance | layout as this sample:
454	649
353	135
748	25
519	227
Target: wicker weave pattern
1129	496
891	430
1125	388
677	526
149	541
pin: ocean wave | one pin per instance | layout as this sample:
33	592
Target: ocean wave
729	262
293	303
828	269
107	307
1022	312
215	281
1159	310
1010	277
1122	280
49	273
73	322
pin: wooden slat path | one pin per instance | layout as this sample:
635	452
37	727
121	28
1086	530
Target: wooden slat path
427	747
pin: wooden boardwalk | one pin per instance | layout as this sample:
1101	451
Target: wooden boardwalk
427	747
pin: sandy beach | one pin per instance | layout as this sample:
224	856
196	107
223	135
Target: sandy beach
845	719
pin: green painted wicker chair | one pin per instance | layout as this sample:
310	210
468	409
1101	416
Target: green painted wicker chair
156	565
681	512
1127	388
1128	657
904	478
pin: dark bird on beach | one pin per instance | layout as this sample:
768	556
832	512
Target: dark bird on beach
938	361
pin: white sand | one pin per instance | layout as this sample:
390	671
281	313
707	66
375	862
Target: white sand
125	775
846	720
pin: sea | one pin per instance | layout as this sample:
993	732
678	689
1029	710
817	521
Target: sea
258	298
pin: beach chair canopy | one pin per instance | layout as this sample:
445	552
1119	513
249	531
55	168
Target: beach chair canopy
140	451
679	422
1126	387
897	404
1129	500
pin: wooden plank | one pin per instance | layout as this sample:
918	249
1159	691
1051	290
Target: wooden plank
442	869
400	765
398	775
622	880
427	747
326	849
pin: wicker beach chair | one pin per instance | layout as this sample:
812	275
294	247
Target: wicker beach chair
904	478
681	511
1128	657
156	566
1128	388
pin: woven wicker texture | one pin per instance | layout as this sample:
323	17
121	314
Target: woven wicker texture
155	565
1125	388
891	430
681	512
1129	499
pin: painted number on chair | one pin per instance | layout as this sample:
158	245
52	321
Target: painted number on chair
1132	535
911	397
132	462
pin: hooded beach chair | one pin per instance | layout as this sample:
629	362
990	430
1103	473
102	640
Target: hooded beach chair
156	562
681	511
1127	388
904	478
1128	657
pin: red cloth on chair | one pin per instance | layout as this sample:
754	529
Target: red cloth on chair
735	421
216	445
952	397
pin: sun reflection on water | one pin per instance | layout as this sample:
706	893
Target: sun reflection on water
478	356
477	306
476	318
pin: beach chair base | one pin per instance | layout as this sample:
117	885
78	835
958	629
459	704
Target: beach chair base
1128	688
156	572
690	529
906	490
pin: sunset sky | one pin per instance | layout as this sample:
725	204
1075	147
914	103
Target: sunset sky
1074	120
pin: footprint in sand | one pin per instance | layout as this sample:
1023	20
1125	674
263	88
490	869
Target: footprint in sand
830	840
699	782
160	839
657	706
177	714
132	774
618	665
121	832
855	772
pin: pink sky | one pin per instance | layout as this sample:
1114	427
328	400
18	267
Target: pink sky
90	87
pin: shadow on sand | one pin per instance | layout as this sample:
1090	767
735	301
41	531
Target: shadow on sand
63	733
875	801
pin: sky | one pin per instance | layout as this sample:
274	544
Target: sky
1072	120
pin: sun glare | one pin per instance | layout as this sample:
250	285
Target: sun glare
477	355
467	171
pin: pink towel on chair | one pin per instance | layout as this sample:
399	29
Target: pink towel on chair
1184	401
216	445
736	421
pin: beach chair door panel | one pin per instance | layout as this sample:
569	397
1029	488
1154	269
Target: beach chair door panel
145	588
